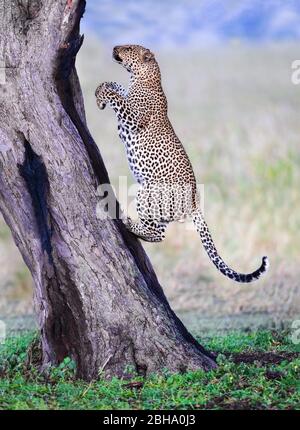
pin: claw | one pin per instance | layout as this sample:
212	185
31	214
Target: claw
101	105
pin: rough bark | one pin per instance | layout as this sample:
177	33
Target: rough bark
96	295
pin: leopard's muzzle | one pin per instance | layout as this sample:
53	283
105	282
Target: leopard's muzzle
116	56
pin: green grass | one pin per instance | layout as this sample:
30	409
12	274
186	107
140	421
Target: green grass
271	381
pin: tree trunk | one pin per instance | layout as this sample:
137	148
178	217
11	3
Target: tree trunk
96	295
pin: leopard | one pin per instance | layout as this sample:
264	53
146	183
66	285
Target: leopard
157	159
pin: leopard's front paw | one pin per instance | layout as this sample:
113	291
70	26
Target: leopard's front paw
101	105
102	94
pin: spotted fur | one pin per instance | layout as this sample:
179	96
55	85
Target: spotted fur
156	157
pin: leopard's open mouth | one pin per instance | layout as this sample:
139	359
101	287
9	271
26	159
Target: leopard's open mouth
116	57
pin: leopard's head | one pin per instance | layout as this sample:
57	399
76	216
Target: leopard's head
137	60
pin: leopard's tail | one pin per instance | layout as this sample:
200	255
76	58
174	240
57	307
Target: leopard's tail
210	248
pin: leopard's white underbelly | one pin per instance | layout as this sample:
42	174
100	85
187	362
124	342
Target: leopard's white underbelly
133	152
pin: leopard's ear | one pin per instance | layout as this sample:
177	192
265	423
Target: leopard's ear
148	56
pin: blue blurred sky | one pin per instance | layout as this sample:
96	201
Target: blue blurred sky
192	22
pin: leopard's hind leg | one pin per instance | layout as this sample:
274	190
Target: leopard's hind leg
147	230
150	226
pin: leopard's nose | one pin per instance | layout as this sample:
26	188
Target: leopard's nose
116	55
116	50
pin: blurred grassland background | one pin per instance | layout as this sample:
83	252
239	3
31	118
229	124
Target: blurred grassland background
234	107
